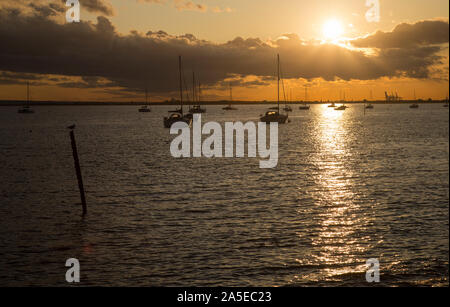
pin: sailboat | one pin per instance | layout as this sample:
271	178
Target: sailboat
370	106
304	106
229	107
274	116
145	108
414	105
446	102
287	108
178	115
196	109
26	109
342	107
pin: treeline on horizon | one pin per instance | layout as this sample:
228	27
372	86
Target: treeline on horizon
218	103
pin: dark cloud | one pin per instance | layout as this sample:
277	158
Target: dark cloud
55	7
37	44
428	32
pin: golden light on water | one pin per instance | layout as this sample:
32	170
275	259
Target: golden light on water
340	218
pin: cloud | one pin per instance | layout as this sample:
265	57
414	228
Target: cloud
423	33
36	44
186	5
55	7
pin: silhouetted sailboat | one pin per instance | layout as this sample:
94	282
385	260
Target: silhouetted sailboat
178	115
446	102
414	105
229	107
145	108
287	108
369	106
304	106
274	116
341	108
196	109
26	109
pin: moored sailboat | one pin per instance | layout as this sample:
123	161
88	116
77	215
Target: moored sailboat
274	116
178	115
196	109
230	107
145	108
26	109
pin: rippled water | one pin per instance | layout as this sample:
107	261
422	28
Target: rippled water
348	188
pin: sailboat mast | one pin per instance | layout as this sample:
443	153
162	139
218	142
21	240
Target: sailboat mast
278	86
193	88
231	93
146	96
181	84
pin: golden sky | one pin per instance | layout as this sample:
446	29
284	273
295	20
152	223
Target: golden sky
121	47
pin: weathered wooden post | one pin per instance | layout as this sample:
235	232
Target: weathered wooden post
78	170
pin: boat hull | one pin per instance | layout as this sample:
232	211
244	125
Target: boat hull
169	121
25	111
278	118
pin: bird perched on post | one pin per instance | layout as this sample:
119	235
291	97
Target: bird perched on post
71	127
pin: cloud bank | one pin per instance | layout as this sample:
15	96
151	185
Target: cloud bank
37	44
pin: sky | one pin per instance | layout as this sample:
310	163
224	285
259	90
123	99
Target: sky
121	47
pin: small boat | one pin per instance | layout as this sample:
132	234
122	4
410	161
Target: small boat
304	107
178	115
369	106
229	107
341	108
287	108
26	109
333	105
274	115
196	109
446	105
145	108
414	106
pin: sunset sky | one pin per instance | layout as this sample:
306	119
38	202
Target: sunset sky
121	47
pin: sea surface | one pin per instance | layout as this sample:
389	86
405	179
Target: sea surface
349	187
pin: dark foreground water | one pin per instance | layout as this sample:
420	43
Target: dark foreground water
348	188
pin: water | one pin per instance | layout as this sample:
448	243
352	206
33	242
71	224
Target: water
348	188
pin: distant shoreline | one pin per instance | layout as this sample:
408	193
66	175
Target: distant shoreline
206	103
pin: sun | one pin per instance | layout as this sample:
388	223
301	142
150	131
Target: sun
332	29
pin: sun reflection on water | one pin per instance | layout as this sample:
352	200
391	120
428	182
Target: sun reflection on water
339	222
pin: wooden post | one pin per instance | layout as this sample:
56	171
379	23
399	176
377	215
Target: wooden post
78	171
